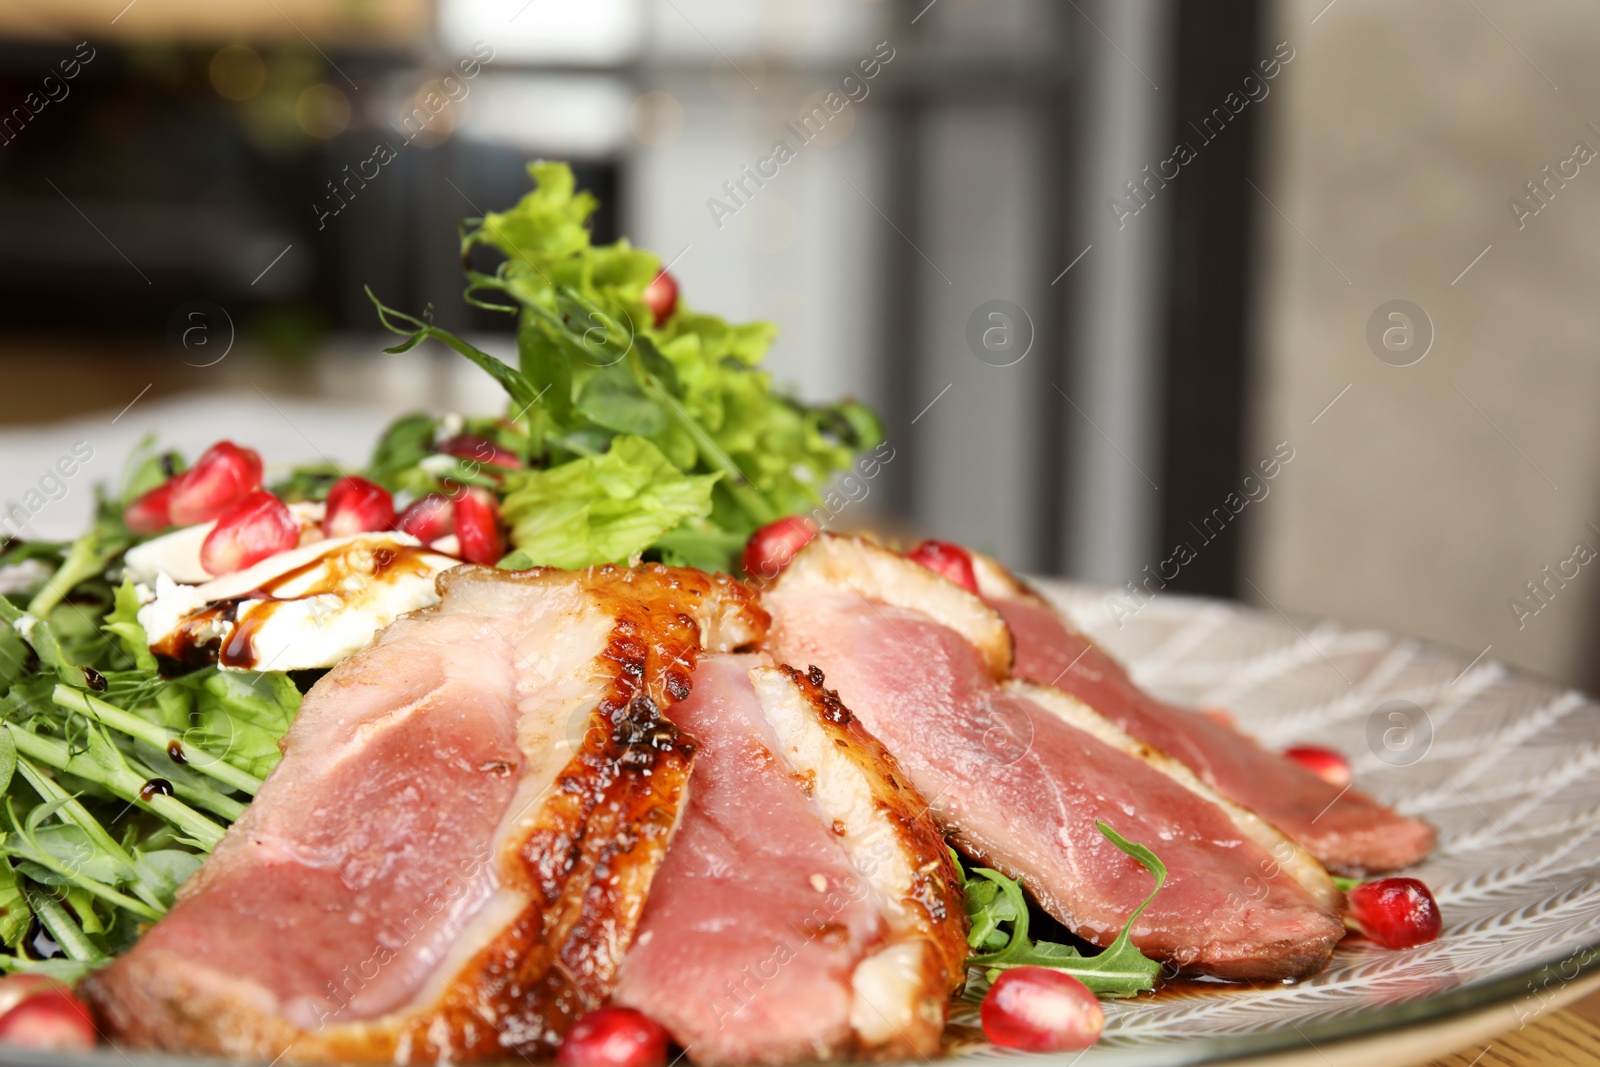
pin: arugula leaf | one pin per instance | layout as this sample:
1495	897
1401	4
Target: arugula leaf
698	543
241	718
601	509
611	398
998	911
593	365
407	442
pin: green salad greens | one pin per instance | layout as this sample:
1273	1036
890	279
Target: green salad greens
631	432
640	439
624	437
999	939
115	780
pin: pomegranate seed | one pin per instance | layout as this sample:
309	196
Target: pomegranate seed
1394	912
661	297
770	548
224	475
152	512
356	505
51	1018
1040	1010
1325	763
951	561
256	527
428	518
614	1037
478	527
483	451
15	988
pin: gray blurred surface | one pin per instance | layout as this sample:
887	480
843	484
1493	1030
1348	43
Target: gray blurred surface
1428	495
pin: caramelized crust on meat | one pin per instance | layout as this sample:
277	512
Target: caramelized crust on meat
665	617
586	868
892	840
808	908
452	858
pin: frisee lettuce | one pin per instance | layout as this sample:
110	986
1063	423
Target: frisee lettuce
998	912
602	508
595	372
664	442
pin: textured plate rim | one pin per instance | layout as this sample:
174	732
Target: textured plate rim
1400	1016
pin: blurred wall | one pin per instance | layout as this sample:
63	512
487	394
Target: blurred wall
1429	495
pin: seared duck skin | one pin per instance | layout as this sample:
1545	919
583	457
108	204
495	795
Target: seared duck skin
808	907
452	858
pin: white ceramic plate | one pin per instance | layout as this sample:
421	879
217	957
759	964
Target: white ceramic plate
1506	767
1503	765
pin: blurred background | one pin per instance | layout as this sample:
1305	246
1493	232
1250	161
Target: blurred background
1286	301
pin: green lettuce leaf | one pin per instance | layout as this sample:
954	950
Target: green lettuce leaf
599	366
602	509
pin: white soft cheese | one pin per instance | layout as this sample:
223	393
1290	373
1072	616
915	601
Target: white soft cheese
328	599
177	554
174	555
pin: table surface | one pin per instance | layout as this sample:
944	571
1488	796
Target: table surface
1567	1038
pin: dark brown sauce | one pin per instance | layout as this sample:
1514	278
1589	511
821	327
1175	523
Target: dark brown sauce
240	649
175	753
187	645
155	787
1185	988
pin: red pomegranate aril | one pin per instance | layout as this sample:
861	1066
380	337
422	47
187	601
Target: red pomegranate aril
1325	763
486	452
1039	1010
428	518
950	561
1394	912
256	527
614	1037
356	505
770	548
152	512
661	297
51	1018
478	529
15	988
223	475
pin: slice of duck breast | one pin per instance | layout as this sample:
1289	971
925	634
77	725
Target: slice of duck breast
1019	774
1345	828
451	860
808	906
